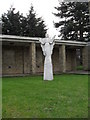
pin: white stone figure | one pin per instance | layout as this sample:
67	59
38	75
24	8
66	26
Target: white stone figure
47	45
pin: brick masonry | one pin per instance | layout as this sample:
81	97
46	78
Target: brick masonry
85	57
55	59
39	59
30	60
12	60
89	57
70	59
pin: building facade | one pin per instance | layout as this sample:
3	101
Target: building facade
23	55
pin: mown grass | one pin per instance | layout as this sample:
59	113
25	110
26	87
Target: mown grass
31	97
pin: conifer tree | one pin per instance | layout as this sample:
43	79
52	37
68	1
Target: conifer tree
11	22
14	23
74	20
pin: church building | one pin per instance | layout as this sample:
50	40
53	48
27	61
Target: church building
24	56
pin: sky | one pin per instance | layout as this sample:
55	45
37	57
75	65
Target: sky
43	8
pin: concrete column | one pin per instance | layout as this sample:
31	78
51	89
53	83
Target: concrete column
33	58
85	57
62	58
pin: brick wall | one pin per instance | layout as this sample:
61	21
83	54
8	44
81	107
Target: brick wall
39	60
89	56
27	60
55	59
15	60
70	59
85	57
30	59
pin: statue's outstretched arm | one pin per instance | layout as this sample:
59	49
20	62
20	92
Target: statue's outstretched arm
52	43
42	45
43	49
52	39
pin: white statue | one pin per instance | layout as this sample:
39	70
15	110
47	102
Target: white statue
47	45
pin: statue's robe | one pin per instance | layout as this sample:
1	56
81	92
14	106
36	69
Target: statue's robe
47	48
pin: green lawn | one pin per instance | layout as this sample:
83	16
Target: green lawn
31	97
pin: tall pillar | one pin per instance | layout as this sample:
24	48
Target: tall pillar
33	58
85	57
62	58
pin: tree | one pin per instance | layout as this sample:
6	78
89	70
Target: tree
74	23
41	28
11	22
35	26
17	24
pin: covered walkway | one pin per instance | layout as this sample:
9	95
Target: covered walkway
23	55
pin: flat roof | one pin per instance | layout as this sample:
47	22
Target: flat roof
20	39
